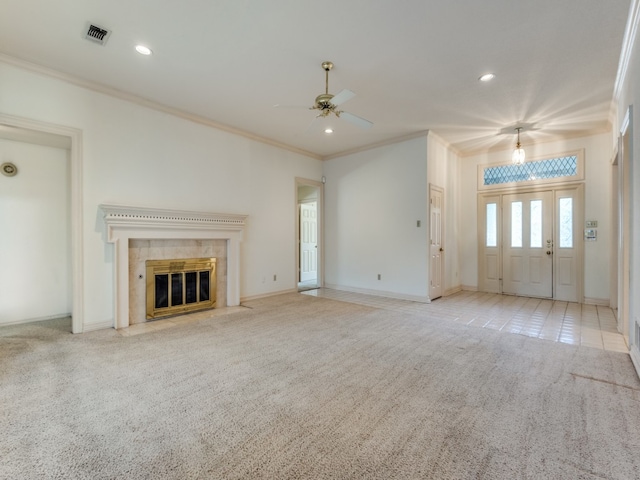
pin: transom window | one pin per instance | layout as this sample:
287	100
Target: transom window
562	168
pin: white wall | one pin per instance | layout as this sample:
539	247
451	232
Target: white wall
35	264
137	156
630	96
598	153
373	200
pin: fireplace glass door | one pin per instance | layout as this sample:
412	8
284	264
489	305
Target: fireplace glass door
180	286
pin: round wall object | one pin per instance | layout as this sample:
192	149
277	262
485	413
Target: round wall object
8	169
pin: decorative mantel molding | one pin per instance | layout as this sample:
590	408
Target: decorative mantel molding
121	215
124	223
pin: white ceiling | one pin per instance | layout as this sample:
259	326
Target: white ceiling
414	64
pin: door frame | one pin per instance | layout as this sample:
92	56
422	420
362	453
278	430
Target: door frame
75	164
319	186
578	220
624	234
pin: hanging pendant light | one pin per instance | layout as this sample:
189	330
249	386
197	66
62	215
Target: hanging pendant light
518	153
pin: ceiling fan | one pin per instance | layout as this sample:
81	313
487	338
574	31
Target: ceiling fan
327	104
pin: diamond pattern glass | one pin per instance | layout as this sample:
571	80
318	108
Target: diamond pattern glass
536	170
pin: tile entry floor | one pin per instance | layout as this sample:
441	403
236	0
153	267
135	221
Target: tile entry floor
574	323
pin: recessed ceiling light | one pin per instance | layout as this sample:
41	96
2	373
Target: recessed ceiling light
328	130
487	77
142	50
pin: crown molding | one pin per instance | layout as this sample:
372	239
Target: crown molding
411	136
144	102
630	33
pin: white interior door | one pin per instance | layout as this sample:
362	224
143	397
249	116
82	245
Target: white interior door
308	242
436	247
528	244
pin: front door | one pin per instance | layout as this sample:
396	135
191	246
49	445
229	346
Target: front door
527	240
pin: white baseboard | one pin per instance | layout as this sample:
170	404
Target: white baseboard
92	327
379	293
603	302
452	290
469	288
266	295
36	319
635	358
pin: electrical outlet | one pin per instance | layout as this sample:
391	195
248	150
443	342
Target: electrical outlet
274	277
379	277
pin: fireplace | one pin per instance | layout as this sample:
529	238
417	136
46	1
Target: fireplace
180	286
139	234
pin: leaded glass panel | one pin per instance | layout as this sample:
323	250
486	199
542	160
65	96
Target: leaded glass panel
529	171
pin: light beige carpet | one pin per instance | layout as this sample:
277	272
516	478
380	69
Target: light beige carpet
310	388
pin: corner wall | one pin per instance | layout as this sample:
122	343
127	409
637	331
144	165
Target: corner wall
373	201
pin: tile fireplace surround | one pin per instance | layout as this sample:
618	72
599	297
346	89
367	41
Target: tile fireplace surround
124	223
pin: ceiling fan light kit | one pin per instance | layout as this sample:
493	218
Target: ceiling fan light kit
327	104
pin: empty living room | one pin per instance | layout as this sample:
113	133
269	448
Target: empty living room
291	240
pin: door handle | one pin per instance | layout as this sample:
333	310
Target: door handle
548	252
441	249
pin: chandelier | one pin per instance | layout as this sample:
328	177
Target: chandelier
518	153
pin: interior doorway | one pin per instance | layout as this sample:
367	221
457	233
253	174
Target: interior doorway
308	234
31	131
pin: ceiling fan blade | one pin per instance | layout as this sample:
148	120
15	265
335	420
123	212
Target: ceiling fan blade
342	97
313	123
356	120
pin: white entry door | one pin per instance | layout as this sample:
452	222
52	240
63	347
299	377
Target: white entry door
528	244
436	248
308	241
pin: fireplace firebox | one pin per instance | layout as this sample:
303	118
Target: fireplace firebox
180	286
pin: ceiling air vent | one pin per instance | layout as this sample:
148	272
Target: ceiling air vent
97	34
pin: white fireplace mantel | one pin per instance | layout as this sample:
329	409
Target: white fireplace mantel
124	223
